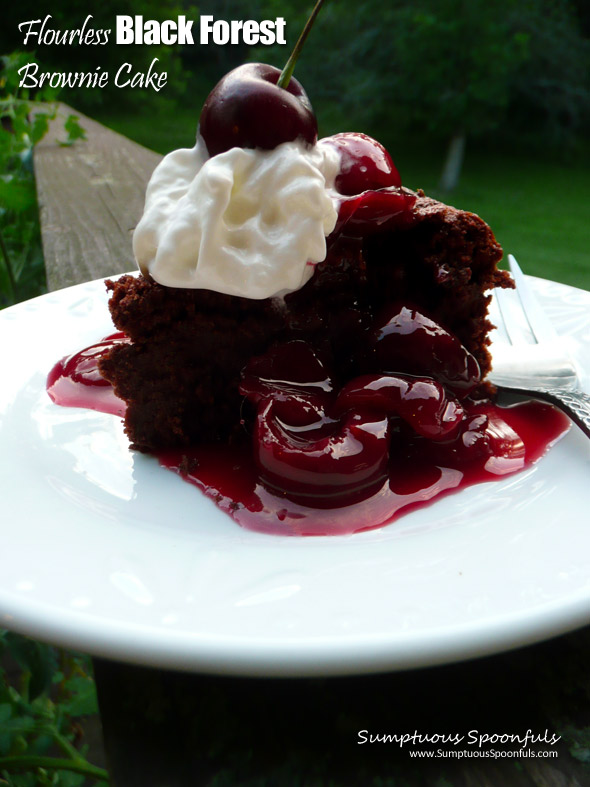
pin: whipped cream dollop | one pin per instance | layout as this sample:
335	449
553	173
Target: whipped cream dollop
246	222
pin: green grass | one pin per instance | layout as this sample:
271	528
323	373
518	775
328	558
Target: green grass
538	207
162	132
539	210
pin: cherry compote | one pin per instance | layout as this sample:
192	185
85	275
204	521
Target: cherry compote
407	339
321	455
325	456
75	381
364	164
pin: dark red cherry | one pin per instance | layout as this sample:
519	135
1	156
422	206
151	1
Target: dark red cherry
374	211
324	460
409	342
484	437
246	109
365	164
422	402
293	367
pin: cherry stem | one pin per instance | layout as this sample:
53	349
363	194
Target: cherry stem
287	71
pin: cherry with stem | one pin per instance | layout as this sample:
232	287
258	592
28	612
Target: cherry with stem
258	106
287	71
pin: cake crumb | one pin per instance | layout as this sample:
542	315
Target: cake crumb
187	465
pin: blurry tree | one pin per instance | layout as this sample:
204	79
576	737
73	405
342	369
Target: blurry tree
452	69
457	60
551	90
218	60
582	8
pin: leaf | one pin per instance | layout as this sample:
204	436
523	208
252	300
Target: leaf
12	63
580	752
26	159
74	129
4	744
69	779
16	194
41	744
36	657
83	701
18	264
39	127
19	725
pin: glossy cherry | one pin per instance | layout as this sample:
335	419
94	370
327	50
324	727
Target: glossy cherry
423	403
310	442
374	211
334	460
246	109
486	438
364	164
410	342
293	367
353	472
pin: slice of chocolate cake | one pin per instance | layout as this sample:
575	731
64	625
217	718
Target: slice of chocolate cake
306	341
303	328
180	374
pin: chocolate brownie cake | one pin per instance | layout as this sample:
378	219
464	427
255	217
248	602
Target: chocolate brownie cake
180	374
301	316
306	341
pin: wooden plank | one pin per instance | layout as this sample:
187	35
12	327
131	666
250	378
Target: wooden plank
91	196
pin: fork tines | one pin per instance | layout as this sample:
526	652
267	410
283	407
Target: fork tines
522	320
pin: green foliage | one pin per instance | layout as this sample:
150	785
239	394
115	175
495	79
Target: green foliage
24	123
578	740
21	260
443	66
551	90
74	130
71	15
40	734
446	85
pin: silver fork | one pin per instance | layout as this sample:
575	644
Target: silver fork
528	356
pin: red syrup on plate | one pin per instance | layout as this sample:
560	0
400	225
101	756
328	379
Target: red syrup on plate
400	469
76	382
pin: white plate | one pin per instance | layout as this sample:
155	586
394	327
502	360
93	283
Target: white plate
104	551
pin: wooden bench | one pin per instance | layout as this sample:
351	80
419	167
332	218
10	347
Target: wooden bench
90	198
158	726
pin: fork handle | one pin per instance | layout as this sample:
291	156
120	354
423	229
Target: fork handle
574	404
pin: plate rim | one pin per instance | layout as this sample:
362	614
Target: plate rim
304	657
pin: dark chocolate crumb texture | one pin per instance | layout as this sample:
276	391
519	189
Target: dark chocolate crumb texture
180	374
